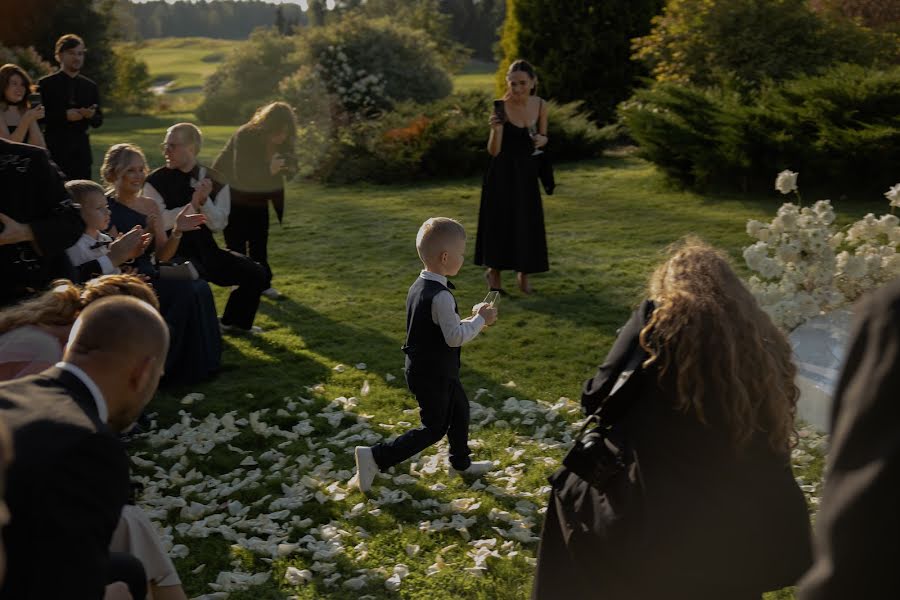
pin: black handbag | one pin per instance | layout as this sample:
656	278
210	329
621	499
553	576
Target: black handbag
598	454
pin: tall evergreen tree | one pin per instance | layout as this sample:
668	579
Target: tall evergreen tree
580	48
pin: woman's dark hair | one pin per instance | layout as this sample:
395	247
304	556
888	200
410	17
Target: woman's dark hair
273	118
67	42
7	71
525	67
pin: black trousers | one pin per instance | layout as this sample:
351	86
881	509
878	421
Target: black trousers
444	410
248	233
226	268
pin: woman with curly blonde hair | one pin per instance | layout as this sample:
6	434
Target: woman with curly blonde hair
33	333
702	503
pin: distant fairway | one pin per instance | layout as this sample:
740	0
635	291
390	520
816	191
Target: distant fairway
476	76
182	66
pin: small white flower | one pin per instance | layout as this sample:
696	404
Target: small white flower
893	195
786	182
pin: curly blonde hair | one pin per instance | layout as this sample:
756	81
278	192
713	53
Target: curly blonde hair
728	356
60	305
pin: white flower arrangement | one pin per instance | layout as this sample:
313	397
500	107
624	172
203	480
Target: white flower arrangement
804	266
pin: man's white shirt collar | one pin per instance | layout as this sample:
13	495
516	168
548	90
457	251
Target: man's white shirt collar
99	400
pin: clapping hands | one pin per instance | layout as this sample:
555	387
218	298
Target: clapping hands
186	221
201	193
130	245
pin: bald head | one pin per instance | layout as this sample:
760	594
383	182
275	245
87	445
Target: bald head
119	326
121	343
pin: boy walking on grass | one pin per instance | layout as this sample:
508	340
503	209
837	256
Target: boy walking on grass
434	334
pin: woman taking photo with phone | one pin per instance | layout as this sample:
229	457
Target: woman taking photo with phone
20	114
255	162
511	218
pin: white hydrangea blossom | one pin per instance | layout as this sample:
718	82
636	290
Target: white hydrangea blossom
803	266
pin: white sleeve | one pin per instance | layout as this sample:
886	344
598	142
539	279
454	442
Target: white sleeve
456	331
168	215
217	210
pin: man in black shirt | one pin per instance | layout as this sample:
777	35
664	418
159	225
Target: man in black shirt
183	180
72	105
37	222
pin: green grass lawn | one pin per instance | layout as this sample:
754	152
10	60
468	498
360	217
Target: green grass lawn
344	258
476	76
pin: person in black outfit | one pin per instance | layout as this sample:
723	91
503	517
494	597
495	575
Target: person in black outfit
18	116
70	477
184	181
255	162
857	525
705	506
72	106
37	222
511	218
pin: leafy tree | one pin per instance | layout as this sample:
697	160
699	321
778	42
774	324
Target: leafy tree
877	14
581	48
742	43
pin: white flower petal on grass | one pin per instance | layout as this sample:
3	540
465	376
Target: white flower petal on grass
412	549
510	384
198	569
364	390
389	377
179	551
338	368
356	583
295	576
361	366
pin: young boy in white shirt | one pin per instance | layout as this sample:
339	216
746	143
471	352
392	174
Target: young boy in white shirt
95	253
434	334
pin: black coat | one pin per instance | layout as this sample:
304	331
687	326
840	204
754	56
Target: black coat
65	489
33	194
699	521
857	526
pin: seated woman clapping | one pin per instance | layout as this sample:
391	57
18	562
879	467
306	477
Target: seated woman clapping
187	305
702	504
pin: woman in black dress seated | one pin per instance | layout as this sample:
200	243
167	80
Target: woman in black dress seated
187	306
703	505
511	218
18	119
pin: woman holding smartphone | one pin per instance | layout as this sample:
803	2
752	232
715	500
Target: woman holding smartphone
511	217
20	114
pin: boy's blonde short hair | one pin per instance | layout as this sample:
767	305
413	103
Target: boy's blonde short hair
189	134
79	188
435	234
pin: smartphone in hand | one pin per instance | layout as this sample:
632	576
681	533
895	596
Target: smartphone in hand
500	110
34	100
492	298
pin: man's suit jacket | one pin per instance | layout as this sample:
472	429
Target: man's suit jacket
66	488
858	525
31	192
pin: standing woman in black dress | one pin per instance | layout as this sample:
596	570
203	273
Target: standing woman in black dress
511	218
255	162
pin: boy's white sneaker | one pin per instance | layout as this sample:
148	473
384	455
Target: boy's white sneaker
478	467
366	468
271	293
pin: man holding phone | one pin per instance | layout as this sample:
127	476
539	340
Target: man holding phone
72	106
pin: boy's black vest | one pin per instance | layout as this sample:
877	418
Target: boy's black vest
427	353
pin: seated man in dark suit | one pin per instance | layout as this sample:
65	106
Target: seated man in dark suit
37	222
69	478
183	180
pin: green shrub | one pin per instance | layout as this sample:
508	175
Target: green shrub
130	92
840	129
446	138
744	43
248	77
27	58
